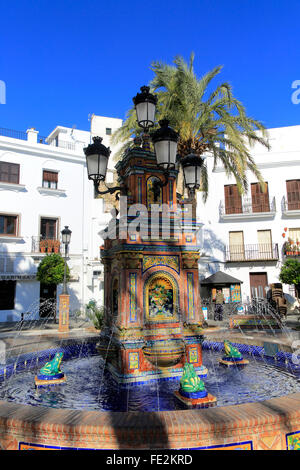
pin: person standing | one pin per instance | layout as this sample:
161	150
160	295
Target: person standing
219	305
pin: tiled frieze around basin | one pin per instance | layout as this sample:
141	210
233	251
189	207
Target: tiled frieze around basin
269	425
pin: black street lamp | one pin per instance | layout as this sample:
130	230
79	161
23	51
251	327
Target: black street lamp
66	238
145	106
191	165
165	144
164	139
97	156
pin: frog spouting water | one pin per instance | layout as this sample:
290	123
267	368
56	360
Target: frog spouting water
230	350
52	367
190	382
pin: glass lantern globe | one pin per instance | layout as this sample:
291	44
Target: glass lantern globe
97	159
165	144
66	235
145	105
191	165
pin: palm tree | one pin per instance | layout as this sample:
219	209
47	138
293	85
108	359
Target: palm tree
214	122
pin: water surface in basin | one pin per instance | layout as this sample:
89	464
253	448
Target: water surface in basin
90	387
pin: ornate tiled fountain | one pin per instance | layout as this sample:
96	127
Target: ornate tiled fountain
152	320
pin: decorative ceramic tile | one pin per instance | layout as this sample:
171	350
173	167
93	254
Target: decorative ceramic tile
293	441
133	360
248	445
133	296
193	355
190	291
170	261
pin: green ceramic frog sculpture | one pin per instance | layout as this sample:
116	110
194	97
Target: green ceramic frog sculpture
230	350
52	367
190	382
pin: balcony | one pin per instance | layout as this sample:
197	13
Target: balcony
290	205
46	245
291	249
258	208
244	253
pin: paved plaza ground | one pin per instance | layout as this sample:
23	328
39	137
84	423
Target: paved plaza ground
39	335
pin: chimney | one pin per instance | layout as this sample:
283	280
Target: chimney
32	134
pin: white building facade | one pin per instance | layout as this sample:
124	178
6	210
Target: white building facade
244	236
43	188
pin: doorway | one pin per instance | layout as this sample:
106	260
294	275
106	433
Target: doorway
258	284
48	301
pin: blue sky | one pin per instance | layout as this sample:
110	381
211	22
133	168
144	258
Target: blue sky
62	60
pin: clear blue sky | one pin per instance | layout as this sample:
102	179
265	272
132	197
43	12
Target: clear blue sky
63	59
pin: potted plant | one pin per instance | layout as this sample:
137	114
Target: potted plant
56	246
288	248
43	246
50	246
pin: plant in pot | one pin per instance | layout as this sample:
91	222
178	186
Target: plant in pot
56	246
50	245
43	246
288	247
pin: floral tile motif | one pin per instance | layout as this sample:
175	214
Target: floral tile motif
193	355
293	441
170	261
133	360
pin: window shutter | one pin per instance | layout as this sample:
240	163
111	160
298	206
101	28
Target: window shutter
9	172
50	176
293	194
260	199
233	200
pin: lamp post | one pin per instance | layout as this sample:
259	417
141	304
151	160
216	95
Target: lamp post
165	141
191	165
64	298
66	238
97	156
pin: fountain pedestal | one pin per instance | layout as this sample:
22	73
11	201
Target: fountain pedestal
153	319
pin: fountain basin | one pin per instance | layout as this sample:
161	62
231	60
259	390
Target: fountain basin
269	424
164	354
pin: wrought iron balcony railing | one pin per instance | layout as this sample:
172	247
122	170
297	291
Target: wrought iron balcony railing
46	245
259	252
13	134
248	206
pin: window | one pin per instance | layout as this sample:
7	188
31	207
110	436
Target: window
108	131
293	194
264	238
7	295
294	234
50	179
49	228
8	224
260	199
9	172
236	246
233	200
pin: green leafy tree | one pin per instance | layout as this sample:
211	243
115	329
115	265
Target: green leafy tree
51	270
290	274
207	121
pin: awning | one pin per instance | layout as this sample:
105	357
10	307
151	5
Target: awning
221	278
